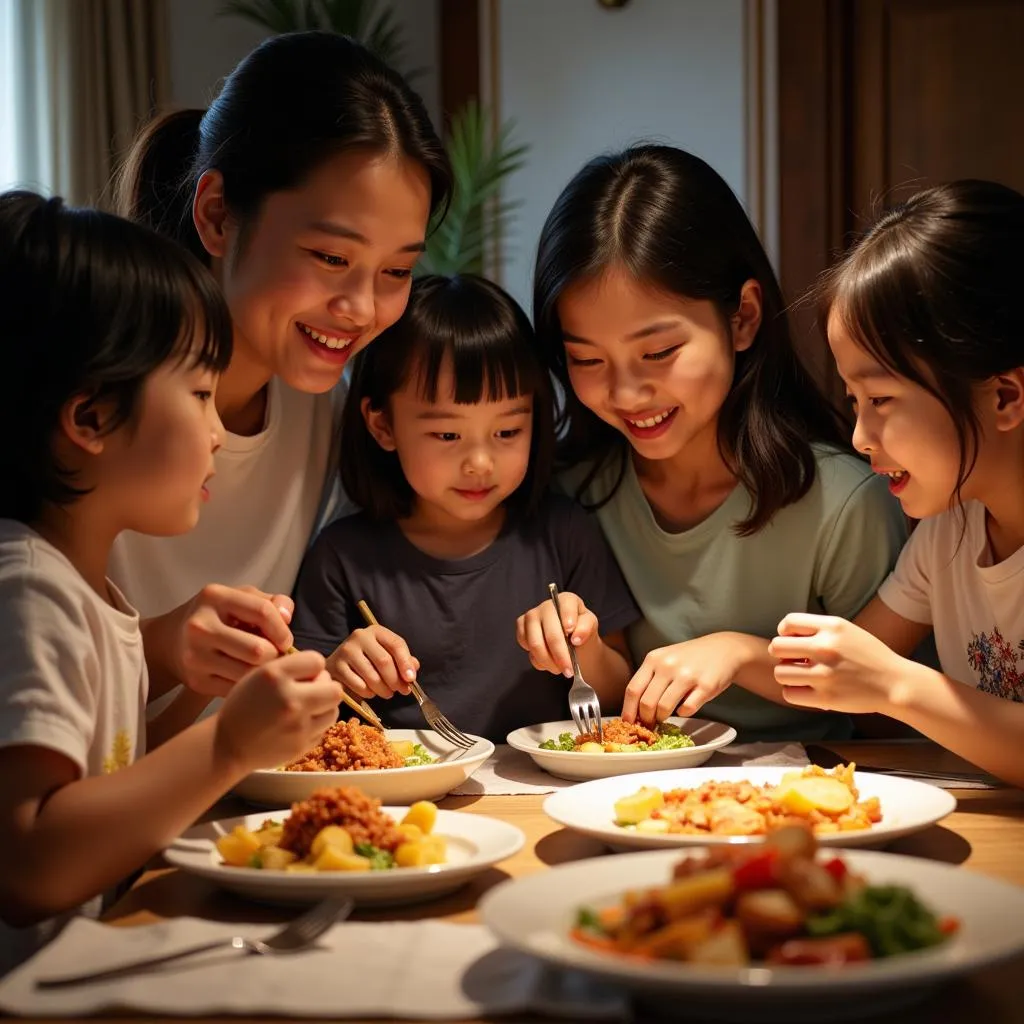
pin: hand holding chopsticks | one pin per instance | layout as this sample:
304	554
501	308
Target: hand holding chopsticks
360	707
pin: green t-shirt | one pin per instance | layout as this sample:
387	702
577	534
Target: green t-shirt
827	553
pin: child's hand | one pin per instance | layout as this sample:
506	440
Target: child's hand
829	663
224	632
277	711
544	638
680	679
374	662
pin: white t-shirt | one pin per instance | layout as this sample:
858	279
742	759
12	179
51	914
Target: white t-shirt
72	678
269	493
975	608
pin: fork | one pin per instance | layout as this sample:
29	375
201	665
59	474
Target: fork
296	936
437	721
583	702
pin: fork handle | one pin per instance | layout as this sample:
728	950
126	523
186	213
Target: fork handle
553	591
67	980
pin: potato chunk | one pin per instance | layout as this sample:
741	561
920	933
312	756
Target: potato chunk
817	793
333	836
639	805
238	846
422	814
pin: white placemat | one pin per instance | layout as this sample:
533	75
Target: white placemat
510	772
425	970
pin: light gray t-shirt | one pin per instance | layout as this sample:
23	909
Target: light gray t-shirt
826	553
72	679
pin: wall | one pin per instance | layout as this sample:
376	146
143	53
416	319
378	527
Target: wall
580	80
205	47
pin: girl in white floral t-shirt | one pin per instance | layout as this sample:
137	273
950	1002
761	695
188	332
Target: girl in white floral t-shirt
924	321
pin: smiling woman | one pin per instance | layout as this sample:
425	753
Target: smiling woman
306	188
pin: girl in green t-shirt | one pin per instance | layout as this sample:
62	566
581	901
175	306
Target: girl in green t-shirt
720	473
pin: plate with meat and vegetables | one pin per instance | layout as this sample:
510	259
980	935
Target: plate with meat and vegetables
623	747
341	842
781	931
735	805
397	766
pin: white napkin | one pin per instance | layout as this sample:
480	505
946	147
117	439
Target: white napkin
425	970
510	772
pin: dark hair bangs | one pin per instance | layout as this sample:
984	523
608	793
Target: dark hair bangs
488	365
474	328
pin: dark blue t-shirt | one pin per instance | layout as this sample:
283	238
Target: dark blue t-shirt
459	616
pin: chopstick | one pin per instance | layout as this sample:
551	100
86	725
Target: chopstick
371	619
360	707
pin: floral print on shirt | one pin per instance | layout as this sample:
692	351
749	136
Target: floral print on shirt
999	664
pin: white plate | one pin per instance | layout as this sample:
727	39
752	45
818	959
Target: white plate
274	788
907	806
475	843
534	914
570	764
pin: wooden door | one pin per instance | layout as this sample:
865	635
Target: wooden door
878	98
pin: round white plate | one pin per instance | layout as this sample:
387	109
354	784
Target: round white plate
534	914
474	844
570	764
274	788
907	806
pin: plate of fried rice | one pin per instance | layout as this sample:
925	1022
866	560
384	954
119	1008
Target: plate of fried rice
623	748
341	842
399	766
731	805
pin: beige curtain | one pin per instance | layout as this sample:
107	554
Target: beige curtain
92	71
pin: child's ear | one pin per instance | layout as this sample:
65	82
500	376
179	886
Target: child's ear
1009	399
746	321
81	422
378	424
210	213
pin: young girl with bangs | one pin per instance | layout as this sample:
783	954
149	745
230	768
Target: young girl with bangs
717	468
922	319
448	449
306	188
114	341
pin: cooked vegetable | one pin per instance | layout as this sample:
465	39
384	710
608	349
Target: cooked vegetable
380	860
816	793
890	918
621	737
774	902
639	805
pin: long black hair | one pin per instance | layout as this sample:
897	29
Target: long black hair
295	101
91	305
932	292
671	221
477	329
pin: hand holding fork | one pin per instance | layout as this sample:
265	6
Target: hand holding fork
584	705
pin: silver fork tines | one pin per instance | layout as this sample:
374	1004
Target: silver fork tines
583	703
440	723
299	934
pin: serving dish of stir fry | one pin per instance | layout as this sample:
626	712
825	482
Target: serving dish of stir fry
776	902
778	929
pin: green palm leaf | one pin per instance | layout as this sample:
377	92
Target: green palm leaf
377	28
481	161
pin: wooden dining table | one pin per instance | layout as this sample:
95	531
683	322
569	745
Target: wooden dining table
985	834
